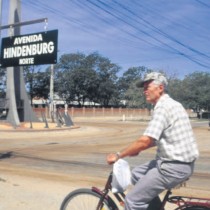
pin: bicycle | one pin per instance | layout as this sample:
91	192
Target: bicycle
96	199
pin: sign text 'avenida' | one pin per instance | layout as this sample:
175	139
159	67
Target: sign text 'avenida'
30	49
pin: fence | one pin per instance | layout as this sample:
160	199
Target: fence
138	114
99	112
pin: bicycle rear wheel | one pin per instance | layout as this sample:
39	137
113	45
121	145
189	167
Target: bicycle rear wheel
83	199
196	208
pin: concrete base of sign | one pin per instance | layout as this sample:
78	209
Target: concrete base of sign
34	126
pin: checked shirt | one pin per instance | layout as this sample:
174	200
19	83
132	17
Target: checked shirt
170	127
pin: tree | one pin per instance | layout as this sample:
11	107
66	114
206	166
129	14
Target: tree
76	80
134	97
64	76
2	83
196	90
175	87
107	78
82	78
127	86
37	81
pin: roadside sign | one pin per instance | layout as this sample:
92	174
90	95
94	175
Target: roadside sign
30	49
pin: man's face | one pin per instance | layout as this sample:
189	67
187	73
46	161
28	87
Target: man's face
153	91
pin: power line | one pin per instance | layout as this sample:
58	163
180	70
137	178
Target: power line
155	29
119	13
151	36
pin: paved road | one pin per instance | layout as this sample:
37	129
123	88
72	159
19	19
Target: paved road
79	154
200	123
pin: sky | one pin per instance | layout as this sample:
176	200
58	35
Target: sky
168	35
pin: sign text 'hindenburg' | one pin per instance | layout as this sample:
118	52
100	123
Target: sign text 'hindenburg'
30	49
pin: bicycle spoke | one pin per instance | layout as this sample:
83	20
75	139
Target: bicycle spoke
83	201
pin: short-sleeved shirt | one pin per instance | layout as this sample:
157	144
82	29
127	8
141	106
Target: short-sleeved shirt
170	127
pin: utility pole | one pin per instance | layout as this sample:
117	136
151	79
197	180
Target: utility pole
51	91
0	16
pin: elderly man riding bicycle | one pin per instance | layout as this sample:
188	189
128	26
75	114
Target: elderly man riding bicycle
170	130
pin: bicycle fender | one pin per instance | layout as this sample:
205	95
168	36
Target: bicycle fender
107	197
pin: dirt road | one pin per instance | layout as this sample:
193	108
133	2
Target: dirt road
39	168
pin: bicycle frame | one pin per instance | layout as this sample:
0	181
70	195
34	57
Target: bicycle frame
184	201
104	194
181	201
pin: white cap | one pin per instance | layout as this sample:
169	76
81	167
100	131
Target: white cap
153	76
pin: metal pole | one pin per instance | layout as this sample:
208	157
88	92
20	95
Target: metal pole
0	14
0	19
51	90
13	25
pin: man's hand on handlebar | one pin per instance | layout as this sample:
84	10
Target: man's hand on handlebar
113	157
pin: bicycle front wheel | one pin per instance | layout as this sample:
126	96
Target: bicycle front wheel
84	199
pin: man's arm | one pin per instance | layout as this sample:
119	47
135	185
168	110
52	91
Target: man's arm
143	143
